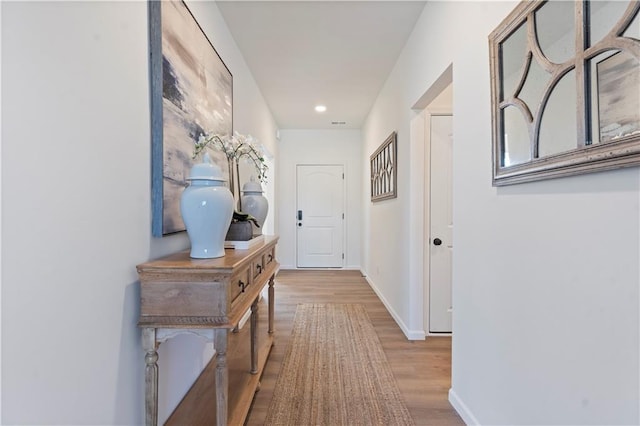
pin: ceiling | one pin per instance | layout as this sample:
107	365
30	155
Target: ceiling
334	53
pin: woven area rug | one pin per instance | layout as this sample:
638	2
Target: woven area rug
335	372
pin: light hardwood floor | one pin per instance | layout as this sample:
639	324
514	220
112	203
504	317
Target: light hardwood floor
421	368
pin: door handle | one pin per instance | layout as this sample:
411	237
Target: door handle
299	214
437	241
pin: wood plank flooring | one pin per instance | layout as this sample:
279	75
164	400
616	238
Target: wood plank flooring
421	368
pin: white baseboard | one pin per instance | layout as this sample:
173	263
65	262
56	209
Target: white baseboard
461	408
410	334
295	268
415	335
439	334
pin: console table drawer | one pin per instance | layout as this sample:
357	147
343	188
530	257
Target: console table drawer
257	268
239	284
175	298
269	256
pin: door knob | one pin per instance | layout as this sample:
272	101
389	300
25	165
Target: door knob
437	241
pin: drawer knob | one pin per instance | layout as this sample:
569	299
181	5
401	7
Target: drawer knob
259	268
242	285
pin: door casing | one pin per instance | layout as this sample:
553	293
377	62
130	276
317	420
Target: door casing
427	113
440	224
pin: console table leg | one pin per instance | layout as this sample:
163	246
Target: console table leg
271	303
221	336
150	376
254	337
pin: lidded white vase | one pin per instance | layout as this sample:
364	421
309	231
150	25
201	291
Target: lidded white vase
207	208
254	203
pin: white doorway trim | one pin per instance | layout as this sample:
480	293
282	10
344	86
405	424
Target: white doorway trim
416	226
0	242
428	113
417	208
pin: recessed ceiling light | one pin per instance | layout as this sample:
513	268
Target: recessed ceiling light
320	108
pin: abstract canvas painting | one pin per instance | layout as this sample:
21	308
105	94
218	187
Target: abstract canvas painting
191	94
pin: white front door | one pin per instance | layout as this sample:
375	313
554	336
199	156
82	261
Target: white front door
441	222
320	216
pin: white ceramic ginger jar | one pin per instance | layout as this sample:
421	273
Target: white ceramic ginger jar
254	203
207	208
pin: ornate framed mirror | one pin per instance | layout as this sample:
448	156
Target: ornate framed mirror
565	89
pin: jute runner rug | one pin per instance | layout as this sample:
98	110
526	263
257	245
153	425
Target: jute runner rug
335	372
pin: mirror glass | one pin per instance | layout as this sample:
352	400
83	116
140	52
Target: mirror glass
534	85
558	126
555	29
615	111
603	16
633	30
513	52
517	147
594	101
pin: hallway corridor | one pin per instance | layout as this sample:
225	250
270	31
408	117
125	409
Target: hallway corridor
422	368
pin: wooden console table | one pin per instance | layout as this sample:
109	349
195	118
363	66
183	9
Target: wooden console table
207	297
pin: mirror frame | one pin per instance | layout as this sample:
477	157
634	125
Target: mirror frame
586	157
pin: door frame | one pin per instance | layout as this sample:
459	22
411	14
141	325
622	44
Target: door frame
415	329
344	220
426	261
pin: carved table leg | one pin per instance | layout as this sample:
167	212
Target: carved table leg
271	302
221	339
150	376
254	337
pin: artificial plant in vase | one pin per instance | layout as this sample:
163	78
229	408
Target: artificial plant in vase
236	148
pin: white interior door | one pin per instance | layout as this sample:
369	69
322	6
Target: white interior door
441	223
320	216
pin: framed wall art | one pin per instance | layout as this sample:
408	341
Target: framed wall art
565	89
191	94
384	170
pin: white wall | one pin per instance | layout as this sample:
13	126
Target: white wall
76	209
545	276
319	147
1	224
